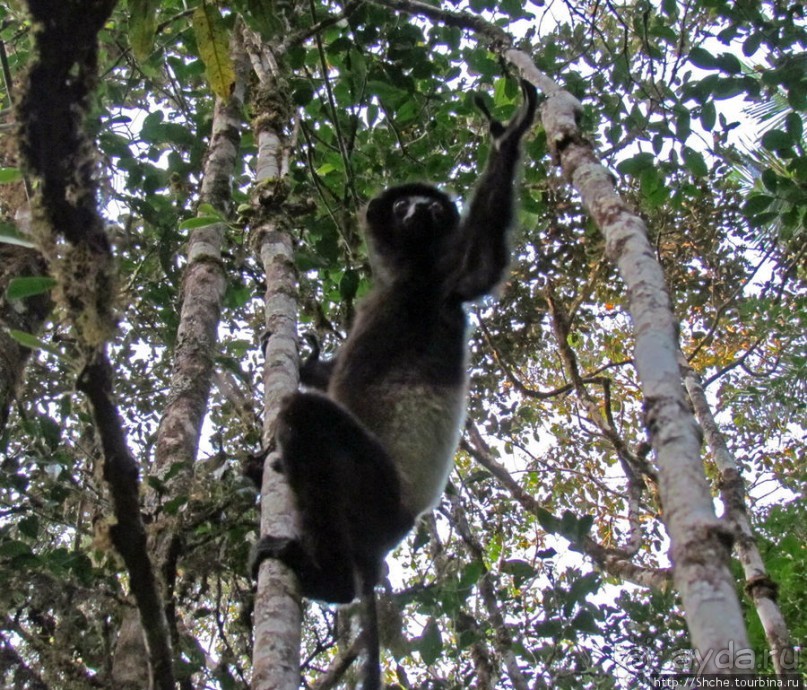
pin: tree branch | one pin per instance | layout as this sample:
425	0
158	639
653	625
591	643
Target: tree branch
759	585
612	561
128	533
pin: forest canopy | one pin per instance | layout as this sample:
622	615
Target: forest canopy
182	184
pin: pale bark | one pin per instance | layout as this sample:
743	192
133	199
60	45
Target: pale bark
333	675
181	423
278	613
203	286
698	539
128	670
759	584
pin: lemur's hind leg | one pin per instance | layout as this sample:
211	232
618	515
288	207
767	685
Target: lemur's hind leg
348	496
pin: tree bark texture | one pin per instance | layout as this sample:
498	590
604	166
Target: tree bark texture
278	608
699	541
57	154
759	585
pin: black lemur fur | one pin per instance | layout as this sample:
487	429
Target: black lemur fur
373	451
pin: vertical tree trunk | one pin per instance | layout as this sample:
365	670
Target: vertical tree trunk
59	156
759	585
699	541
203	286
277	616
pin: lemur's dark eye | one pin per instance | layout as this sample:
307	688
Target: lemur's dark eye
400	207
437	210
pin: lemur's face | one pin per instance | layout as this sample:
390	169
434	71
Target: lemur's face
420	212
408	228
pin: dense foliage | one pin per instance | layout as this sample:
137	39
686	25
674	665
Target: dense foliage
698	107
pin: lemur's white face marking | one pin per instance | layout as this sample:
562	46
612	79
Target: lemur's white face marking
411	208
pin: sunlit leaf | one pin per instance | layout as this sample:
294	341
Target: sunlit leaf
199	222
9	235
213	40
31	341
10	175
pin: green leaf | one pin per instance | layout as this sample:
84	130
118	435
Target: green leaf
683	124
430	644
708	116
9	235
752	43
797	97
521	571
8	175
14	549
142	26
568	524
757	204
547	521
206	209
29	526
762	220
694	162
348	285
584	526
583	586
50	430
513	8
199	222
651	183
770	179
729	63
635	165
728	87
794	126
236	296
20	288
173	506
776	140
470	576
584	622
213	40
325	168
549	628
31	341
700	57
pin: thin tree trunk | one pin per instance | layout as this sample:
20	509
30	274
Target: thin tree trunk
759	584
278	613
